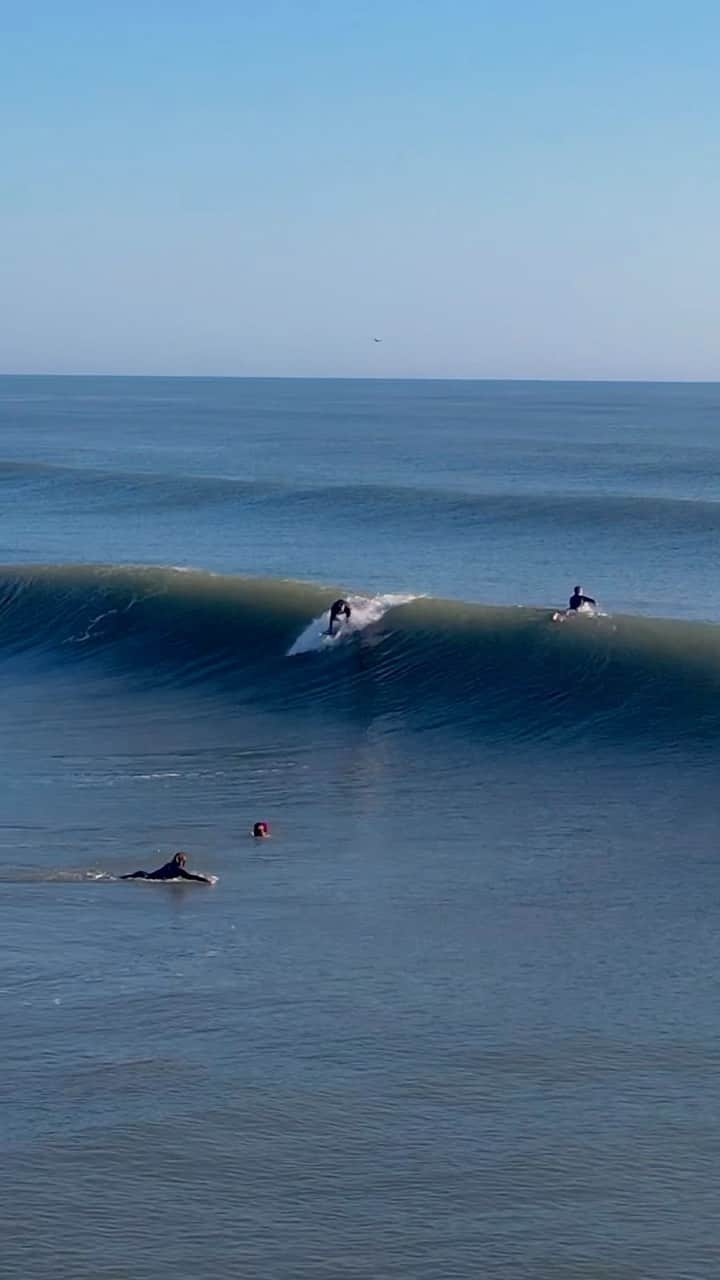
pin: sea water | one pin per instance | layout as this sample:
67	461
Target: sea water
459	1016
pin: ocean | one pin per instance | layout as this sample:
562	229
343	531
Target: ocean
460	1017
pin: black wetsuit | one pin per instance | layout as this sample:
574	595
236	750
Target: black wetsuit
576	600
340	609
170	871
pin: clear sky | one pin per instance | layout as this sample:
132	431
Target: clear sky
496	188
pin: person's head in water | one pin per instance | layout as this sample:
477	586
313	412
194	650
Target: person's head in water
261	830
180	859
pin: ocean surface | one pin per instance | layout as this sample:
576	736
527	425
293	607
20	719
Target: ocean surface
460	1017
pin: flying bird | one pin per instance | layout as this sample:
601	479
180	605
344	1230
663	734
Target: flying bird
377	339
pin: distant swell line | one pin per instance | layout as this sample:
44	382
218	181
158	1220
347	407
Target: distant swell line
123	491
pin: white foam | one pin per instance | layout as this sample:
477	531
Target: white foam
365	610
582	611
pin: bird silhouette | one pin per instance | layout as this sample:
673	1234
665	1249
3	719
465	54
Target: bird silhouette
377	339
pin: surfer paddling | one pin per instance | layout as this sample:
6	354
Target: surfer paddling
338	611
172	870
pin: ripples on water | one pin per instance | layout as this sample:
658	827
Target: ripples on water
458	1017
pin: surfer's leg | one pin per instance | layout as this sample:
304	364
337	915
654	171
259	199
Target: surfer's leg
136	875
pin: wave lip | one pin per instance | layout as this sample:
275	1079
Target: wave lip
407	661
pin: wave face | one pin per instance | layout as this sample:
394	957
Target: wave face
413	663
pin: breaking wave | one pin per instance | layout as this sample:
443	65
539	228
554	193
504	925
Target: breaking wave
411	662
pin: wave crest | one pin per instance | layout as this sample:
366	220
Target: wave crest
408	661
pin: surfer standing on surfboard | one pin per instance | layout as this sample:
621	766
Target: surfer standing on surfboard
340	609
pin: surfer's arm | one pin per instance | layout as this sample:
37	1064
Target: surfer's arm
588	600
188	875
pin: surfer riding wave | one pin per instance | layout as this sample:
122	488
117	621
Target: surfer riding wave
339	610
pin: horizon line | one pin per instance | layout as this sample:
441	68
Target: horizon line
333	377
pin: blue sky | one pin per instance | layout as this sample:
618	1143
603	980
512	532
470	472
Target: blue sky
494	189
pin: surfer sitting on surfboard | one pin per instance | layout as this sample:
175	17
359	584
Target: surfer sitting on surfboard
172	870
340	609
576	605
577	599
